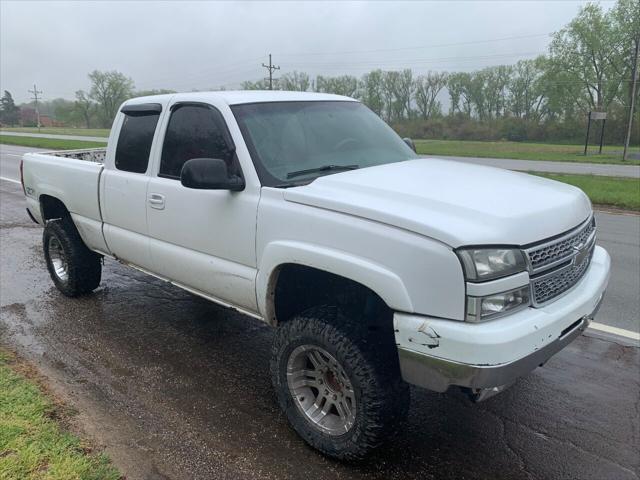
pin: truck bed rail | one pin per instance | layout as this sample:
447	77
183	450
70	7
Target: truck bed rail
96	155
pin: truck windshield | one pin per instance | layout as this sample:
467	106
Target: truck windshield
295	142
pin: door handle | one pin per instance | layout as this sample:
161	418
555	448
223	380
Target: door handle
156	201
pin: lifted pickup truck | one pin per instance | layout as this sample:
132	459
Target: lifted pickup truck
377	268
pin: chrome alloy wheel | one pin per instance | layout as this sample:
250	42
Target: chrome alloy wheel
321	390
58	259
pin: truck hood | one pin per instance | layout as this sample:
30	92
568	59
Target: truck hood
453	202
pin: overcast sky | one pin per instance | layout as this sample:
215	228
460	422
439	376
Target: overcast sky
203	45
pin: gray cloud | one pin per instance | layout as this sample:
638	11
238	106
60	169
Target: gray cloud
200	45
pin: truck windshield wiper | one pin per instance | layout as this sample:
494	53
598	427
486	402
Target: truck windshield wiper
324	168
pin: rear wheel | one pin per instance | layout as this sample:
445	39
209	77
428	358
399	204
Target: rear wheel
340	390
74	269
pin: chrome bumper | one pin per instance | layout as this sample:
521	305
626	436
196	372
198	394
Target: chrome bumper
476	344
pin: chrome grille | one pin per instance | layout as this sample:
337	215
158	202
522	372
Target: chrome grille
560	249
557	265
550	286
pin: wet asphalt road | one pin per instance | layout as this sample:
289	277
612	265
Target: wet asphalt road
175	387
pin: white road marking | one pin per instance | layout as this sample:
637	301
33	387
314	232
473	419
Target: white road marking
11	154
10	180
615	330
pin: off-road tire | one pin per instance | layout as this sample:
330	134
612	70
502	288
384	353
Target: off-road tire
83	267
368	359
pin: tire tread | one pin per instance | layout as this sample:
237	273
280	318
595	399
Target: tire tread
366	356
84	266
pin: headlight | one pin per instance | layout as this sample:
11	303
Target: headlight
480	309
488	263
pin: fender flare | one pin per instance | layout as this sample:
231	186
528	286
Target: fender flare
386	284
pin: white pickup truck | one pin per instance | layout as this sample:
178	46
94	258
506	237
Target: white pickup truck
377	268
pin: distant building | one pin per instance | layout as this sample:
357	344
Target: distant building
28	118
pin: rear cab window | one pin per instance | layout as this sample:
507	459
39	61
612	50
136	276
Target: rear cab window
136	137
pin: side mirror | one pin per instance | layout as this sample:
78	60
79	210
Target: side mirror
410	143
209	174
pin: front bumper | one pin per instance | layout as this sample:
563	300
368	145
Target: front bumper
486	357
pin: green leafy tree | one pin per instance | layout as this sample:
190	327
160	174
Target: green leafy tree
496	89
525	92
342	85
9	112
427	88
259	85
109	90
477	93
589	50
398	94
294	81
372	91
459	87
62	110
625	17
84	107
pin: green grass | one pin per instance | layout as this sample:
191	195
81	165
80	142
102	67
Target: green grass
33	445
523	151
607	191
50	143
85	132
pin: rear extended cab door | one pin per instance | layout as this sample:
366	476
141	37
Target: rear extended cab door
203	240
125	180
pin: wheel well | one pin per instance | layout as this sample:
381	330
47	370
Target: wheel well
299	287
51	207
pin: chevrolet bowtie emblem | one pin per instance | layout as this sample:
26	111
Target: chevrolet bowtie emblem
581	252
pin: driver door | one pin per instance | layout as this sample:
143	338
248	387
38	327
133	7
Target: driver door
203	240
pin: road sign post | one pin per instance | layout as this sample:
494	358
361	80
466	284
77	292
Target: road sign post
593	116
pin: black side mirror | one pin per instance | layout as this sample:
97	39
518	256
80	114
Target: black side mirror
410	143
209	174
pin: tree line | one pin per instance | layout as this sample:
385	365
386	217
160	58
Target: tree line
587	68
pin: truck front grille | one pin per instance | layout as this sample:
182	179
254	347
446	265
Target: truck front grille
558	282
562	248
557	265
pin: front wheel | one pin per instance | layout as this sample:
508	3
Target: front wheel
337	391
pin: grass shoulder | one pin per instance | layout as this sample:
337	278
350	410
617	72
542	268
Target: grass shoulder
50	143
524	151
83	132
34	443
615	192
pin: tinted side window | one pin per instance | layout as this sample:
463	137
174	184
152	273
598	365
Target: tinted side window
194	131
134	142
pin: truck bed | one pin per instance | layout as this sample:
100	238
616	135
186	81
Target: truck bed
73	178
95	155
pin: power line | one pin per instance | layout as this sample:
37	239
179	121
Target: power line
415	60
35	93
204	72
490	40
271	68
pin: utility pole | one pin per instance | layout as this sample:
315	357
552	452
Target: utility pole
271	68
634	80
35	93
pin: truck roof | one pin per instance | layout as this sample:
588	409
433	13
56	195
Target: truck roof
235	97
